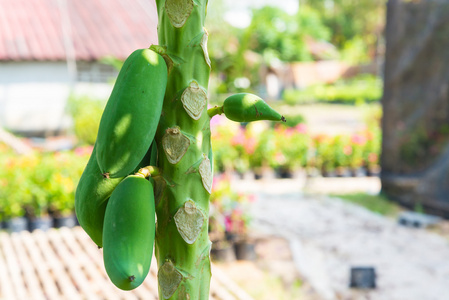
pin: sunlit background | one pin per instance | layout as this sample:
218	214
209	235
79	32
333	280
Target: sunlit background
346	200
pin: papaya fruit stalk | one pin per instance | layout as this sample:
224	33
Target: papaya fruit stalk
182	245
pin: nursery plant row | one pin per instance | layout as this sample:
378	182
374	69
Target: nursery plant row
286	150
43	184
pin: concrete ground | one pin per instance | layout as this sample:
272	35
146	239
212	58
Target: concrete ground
327	237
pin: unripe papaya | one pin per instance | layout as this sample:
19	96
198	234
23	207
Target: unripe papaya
132	113
150	158
246	107
91	197
128	232
94	190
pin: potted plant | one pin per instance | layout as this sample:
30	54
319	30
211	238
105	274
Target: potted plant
13	214
12	192
222	247
372	150
230	219
342	151
38	180
356	160
62	204
294	145
237	223
324	157
244	144
61	188
224	154
263	157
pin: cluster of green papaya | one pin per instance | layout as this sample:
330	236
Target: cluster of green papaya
114	202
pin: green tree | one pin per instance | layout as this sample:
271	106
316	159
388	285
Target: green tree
275	31
352	21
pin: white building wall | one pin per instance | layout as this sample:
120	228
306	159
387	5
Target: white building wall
33	95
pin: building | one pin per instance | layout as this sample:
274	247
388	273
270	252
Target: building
51	48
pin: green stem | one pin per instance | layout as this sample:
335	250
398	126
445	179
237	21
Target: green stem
216	110
148	171
183	138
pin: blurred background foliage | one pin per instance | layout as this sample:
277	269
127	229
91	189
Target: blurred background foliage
352	31
347	30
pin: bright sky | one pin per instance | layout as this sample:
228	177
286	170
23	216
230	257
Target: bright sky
239	10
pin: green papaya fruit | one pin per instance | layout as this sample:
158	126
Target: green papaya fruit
132	113
94	190
150	158
246	107
91	197
128	232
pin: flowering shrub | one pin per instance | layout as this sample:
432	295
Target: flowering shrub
285	148
45	182
229	210
323	158
292	145
39	183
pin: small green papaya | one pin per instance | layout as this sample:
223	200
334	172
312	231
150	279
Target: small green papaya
91	197
132	113
244	107
94	190
128	232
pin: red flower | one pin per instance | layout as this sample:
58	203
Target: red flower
373	157
347	150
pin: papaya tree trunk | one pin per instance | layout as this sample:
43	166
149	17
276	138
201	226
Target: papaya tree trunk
182	245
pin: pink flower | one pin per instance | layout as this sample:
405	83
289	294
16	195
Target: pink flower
216	121
358	139
301	128
81	151
228	223
239	138
289	132
238	212
250	145
252	198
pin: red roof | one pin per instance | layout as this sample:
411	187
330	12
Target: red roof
35	29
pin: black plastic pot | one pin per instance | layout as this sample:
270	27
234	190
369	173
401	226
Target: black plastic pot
359	172
43	224
284	173
245	250
328	173
222	252
373	171
342	172
231	237
363	278
16	224
67	221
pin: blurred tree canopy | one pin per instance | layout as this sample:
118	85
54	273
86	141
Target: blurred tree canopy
274	30
349	30
353	23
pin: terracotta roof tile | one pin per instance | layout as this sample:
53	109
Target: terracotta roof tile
35	30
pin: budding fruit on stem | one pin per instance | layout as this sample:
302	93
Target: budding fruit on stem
245	107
